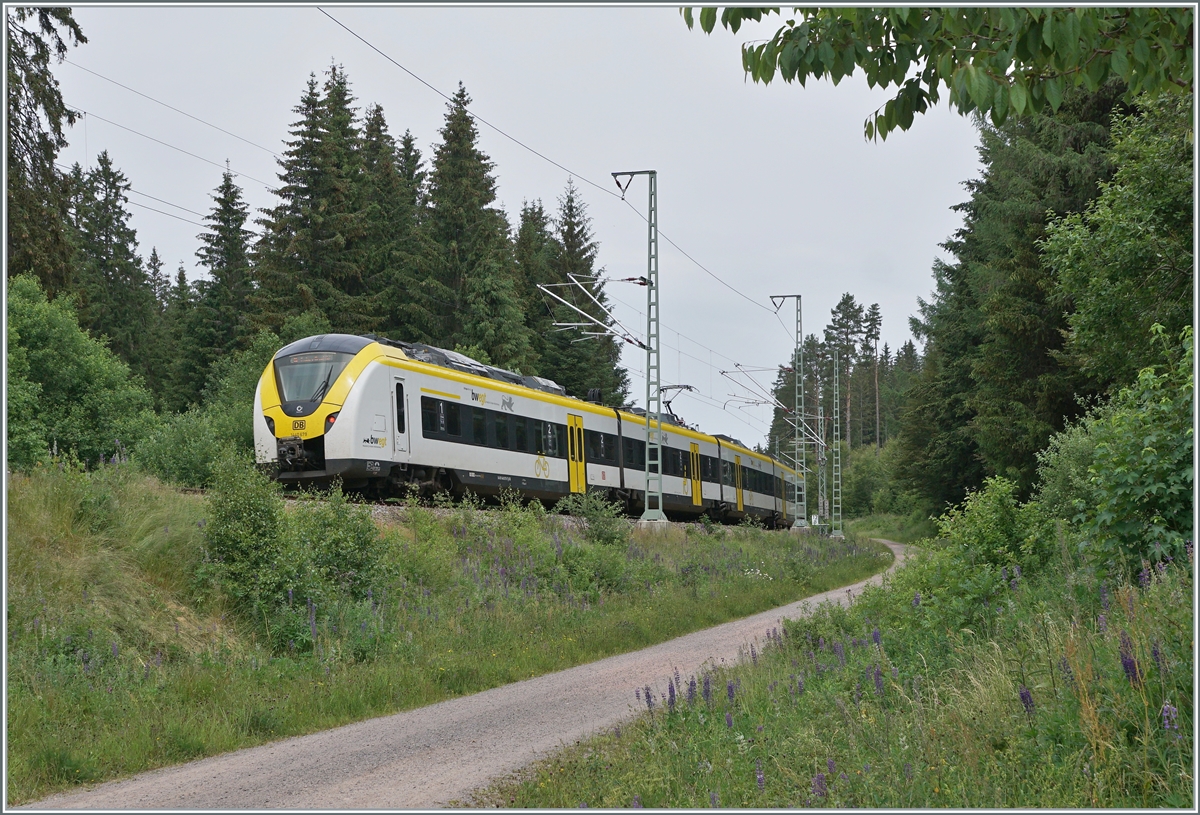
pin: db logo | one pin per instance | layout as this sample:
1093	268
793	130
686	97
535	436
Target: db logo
541	467
299	424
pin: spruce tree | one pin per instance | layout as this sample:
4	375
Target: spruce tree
38	238
398	256
477	272
309	255
116	296
225	252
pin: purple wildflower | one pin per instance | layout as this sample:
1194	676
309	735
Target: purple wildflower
728	719
917	600
707	691
713	800
1156	652
840	650
820	643
1128	661
866	768
1065	668
818	786
832	767
753	654
1013	584
878	681
583	805
758	775
1017	570
637	802
1003	574
649	699
729	691
1102	624
1144	576
678	681
1169	714
1187	547
691	691
670	696
895	672
637	694
908	772
1104	596
1027	700
876	637
800	684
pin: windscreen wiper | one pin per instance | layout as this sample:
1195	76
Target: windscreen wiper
324	386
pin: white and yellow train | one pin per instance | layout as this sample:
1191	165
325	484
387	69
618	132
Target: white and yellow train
381	415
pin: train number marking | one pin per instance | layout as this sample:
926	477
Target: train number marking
299	424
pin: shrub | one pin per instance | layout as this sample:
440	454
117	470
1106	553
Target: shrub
990	526
72	393
1142	468
604	520
244	536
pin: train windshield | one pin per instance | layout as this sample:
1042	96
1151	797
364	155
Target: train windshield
307	377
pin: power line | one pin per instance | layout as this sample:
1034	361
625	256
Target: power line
169	107
173	147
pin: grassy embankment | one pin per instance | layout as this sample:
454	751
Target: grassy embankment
951	686
126	651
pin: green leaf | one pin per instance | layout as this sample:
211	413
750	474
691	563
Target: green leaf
979	85
708	19
1048	30
1053	88
1141	52
1119	63
1017	96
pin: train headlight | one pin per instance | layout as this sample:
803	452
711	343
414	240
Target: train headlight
329	421
270	424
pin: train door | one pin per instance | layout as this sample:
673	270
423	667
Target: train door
576	465
697	496
737	480
400	409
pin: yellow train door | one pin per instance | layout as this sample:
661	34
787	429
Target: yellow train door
737	479
576	464
697	497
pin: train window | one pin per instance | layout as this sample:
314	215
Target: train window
308	376
550	440
537	430
452	421
709	471
727	473
500	423
399	407
479	425
520	433
428	416
557	445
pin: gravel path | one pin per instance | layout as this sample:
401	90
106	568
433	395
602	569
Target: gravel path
438	754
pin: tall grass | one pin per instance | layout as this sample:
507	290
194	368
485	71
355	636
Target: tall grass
1061	693
127	651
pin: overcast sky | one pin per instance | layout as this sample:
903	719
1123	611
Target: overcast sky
772	189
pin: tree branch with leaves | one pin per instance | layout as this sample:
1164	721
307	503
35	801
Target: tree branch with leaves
999	61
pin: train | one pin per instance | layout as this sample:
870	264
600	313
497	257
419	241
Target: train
383	416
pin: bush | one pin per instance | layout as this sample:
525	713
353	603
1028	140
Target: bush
1142	468
244	538
990	526
71	392
604	521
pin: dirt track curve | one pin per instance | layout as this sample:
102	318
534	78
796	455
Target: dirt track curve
434	755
